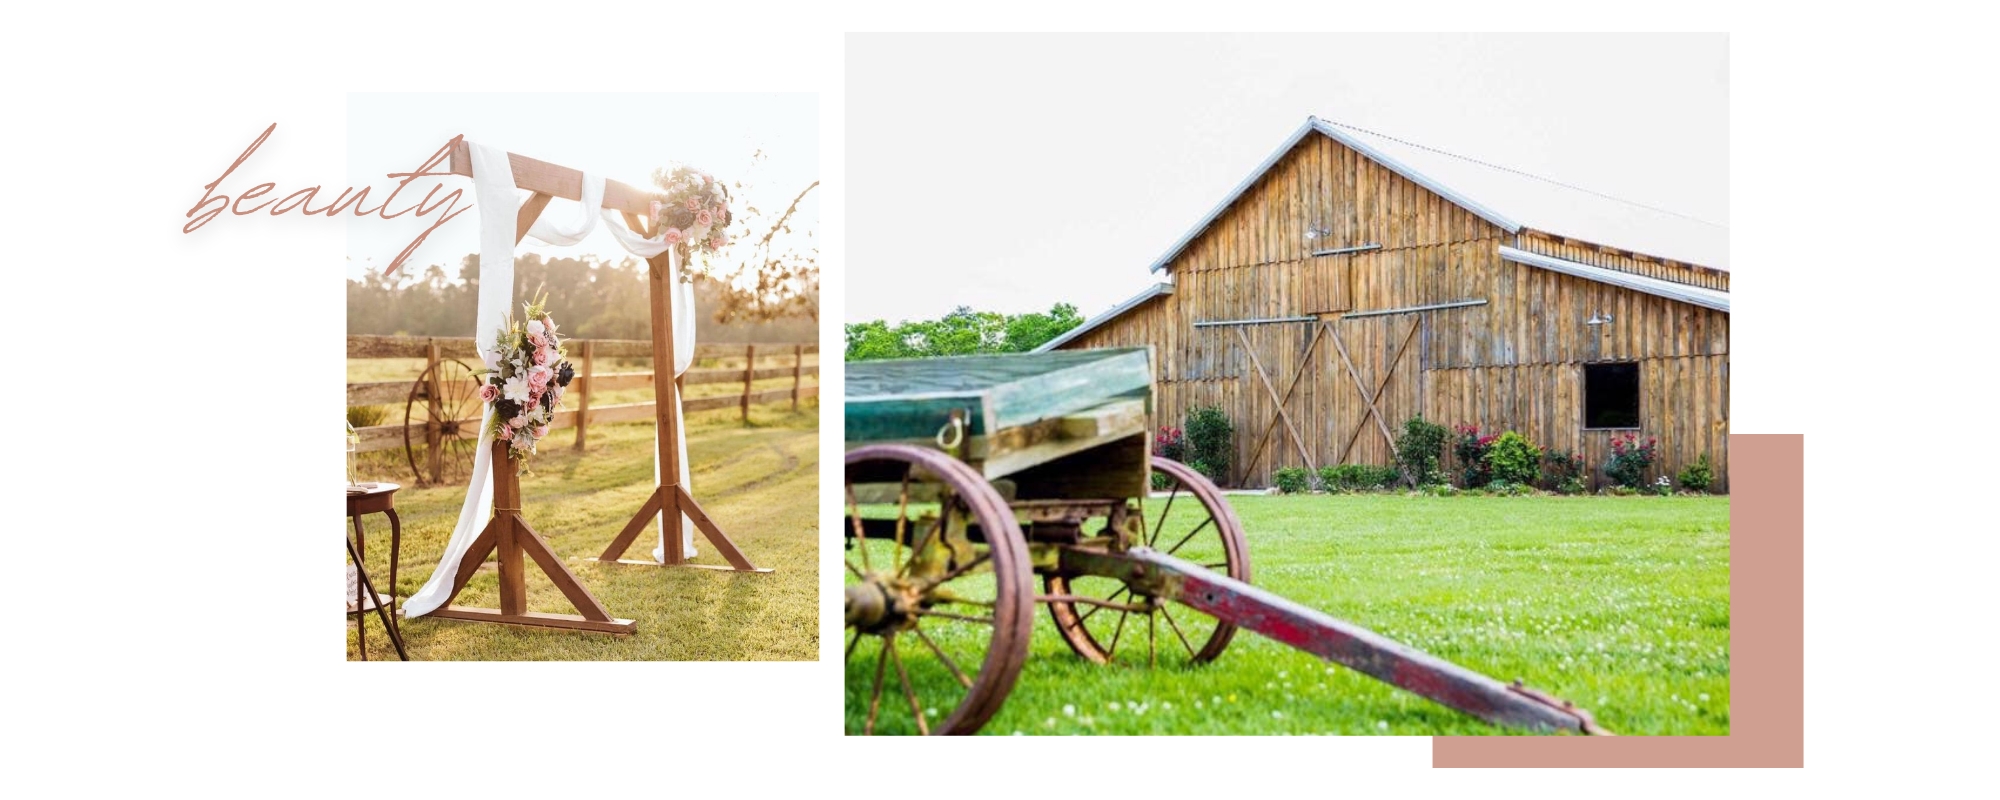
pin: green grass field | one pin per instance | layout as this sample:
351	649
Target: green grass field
1620	604
759	482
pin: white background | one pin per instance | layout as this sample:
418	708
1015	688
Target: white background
164	567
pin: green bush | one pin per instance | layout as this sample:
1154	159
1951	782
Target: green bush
1630	460
1419	450
1291	480
1208	438
1471	452
1357	477
1698	476
1513	459
1563	470
1170	444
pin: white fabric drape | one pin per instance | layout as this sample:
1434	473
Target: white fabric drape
499	204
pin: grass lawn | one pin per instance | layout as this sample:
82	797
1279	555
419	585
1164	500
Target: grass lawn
1620	604
760	484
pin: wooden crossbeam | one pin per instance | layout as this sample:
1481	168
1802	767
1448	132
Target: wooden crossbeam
1305	366
1372	411
558	181
1297	440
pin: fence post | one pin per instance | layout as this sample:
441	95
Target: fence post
798	373
583	396
433	427
749	372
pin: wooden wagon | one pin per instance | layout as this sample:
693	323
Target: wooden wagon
970	478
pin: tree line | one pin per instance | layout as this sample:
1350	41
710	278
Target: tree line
961	332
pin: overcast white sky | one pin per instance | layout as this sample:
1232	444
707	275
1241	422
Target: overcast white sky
1009	172
620	136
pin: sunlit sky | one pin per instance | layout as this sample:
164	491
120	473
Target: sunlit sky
620	136
1011	172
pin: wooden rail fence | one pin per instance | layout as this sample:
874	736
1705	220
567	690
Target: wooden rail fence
782	360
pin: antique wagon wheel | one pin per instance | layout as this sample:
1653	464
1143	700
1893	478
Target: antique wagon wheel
1205	531
459	412
940	590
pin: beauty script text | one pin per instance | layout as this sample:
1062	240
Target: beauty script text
212	204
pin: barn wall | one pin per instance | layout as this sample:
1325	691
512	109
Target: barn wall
1514	362
1610	258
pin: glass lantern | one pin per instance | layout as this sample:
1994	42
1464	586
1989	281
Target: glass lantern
353	443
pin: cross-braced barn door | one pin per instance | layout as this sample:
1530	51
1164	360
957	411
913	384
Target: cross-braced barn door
1376	382
1277	421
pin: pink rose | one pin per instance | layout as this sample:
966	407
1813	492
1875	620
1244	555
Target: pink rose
707	179
674	236
551	323
488	393
703	218
543	356
538	380
719	240
541	431
537	340
506	433
517	422
694	204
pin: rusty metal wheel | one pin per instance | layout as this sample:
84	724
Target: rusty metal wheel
940	600
456	423
1194	523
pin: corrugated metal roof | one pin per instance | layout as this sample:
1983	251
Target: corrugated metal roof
1706	298
1508	198
1155	290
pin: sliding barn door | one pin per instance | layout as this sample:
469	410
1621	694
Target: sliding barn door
1371	368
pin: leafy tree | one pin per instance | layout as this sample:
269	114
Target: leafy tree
964	331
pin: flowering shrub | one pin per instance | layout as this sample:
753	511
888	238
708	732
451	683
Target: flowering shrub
1698	476
525	377
1513	459
1291	480
1564	471
1663	487
1418	451
693	211
1630	459
1357	477
1169	443
1471	451
1208	437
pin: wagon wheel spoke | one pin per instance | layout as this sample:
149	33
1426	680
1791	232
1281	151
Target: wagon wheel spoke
1120	631
1152	628
916	708
860	538
949	664
1184	540
853	643
853	569
1112	599
925	612
875	695
1177	631
936	533
1169	509
902	520
962	569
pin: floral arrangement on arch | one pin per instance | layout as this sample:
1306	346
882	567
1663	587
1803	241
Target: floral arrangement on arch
526	373
693	211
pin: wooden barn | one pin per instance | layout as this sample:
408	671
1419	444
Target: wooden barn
1354	280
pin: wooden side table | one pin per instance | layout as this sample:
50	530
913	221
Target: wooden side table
381	498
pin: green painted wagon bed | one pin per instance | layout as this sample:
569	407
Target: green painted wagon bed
970	478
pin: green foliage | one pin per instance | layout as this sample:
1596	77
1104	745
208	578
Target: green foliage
1292	480
1513	459
1564	471
366	416
1630	459
1357	477
1162	482
1419	451
1169	443
1208	435
1698	476
959	333
1471	452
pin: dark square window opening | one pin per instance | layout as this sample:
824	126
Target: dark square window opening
1611	396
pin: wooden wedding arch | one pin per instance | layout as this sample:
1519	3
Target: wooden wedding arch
508	533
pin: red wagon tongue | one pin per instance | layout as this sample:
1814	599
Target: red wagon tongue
1345	643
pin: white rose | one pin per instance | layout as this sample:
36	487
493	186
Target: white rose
535	327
